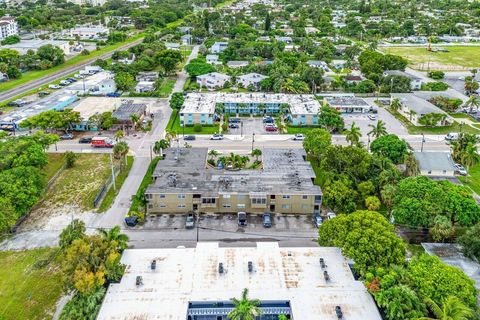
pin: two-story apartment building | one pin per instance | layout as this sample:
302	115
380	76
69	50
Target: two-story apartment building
8	27
184	182
213	80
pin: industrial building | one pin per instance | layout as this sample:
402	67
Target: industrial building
300	109
198	283
183	182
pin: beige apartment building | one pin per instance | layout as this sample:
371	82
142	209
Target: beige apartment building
184	182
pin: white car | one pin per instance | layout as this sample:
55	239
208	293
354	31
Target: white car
54	86
217	137
372	117
331	215
299	137
460	169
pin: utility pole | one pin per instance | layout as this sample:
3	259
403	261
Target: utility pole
113	173
253	140
423	141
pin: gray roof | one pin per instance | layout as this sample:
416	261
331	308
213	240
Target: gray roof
419	105
125	110
284	172
400	73
434	161
253	77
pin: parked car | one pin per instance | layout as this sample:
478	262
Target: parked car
114	94
372	117
131	221
234	120
66	136
54	86
217	136
17	103
299	137
317	219
72	80
65	83
268	120
452	136
233	125
85	140
267	220
43	93
331	215
242	219
460	169
189	138
271	128
190	222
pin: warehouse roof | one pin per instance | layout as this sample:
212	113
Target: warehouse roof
434	161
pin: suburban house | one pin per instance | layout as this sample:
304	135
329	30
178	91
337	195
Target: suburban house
435	164
413	108
103	88
338	64
218	47
183	183
347	103
172	46
146	81
213	59
127	60
213	80
234	64
144	86
251	79
415	82
318	64
90	32
151	76
287	40
186	39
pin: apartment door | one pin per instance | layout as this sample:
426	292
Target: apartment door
272	207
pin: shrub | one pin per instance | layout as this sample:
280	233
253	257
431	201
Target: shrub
70	159
436	75
197	127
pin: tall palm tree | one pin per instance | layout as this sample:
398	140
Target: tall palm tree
119	134
256	153
134	118
245	309
378	129
353	134
213	154
396	104
411	113
160	145
469	156
411	164
472	102
452	308
120	150
170	136
114	234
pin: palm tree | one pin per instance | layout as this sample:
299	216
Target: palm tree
245	309
256	153
119	135
378	129
120	150
114	234
134	118
396	104
411	113
469	156
472	102
170	136
452	308
353	134
213	154
160	145
411	164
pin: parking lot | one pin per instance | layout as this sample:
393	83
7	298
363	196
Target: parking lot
250	125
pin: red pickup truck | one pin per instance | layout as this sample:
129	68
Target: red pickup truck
102	142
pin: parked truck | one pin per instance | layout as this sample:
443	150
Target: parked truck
102	142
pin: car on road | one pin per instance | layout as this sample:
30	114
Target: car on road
271	128
190	222
372	117
217	136
233	125
66	136
299	137
114	94
317	219
267	220
85	140
131	221
189	138
54	86
268	120
242	219
460	169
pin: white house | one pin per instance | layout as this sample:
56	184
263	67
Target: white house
287	40
413	108
338	64
237	64
91	32
435	164
318	64
8	27
186	39
253	79
172	46
213	80
415	82
104	87
145	86
128	60
213	59
218	47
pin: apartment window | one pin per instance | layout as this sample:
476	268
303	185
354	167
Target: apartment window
181	206
162	196
304	206
150	206
226	206
286	196
149	196
444	171
429	172
226	196
304	197
197	196
208	200
162	205
241	206
318	199
285	206
272	197
181	196
259	200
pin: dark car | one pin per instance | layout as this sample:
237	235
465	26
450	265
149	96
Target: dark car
190	222
267	220
114	94
85	140
72	80
66	136
43	93
234	120
268	120
242	219
189	138
317	219
233	126
131	221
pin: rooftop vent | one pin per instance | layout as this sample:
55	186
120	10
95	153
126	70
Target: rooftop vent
153	265
322	263
220	268
338	312
250	266
326	276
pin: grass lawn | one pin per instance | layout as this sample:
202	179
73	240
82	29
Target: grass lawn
455	127
147	179
463	116
458	56
473	180
80	184
55	162
174	126
166	88
295	130
120	179
29	287
415	249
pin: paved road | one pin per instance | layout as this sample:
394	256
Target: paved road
8	94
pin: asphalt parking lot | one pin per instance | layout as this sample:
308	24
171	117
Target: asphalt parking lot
251	125
361	120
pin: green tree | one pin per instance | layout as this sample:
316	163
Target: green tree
353	134
390	146
400	302
256	153
70	159
372	203
470	242
198	68
442	229
378	129
366	237
124	81
120	150
161	145
85	307
330	119
245	308
432	119
115	238
339	196
412	167
75	230
177	100
452	308
316	141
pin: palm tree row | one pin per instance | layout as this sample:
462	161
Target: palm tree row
234	160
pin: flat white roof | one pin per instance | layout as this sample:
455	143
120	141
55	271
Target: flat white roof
191	274
299	104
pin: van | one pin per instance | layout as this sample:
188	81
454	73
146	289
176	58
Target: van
242	219
452	136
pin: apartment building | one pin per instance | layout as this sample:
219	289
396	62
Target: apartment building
8	27
184	182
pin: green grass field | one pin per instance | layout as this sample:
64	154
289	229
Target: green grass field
120	179
174	126
55	162
473	180
458	57
30	284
